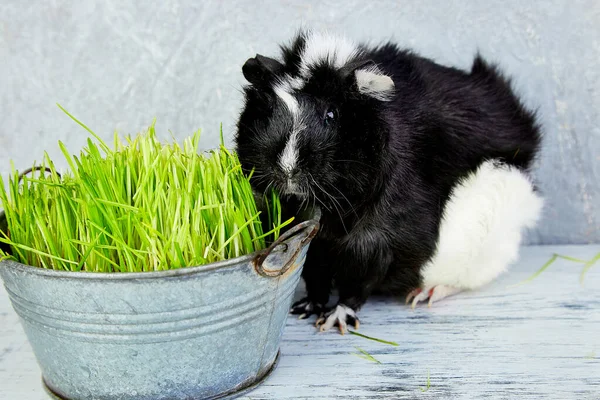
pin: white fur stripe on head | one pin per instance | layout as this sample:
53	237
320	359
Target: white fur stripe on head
284	93
337	51
325	47
289	157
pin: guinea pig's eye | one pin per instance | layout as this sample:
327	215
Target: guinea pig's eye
330	115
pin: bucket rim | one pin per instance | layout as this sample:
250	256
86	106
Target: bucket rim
315	216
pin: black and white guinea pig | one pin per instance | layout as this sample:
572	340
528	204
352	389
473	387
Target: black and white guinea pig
421	171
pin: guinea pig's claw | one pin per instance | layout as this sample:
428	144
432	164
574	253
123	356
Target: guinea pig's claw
412	295
320	320
305	308
432	294
341	316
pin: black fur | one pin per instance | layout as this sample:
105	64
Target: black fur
382	171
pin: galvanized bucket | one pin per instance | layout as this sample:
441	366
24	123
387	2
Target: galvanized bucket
210	331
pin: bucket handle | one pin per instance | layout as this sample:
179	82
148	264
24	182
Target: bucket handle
311	227
38	168
21	176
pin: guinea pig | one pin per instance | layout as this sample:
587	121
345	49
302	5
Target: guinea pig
422	171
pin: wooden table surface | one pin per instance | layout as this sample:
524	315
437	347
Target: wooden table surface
538	340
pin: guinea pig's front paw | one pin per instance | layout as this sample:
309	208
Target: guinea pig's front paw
304	308
341	316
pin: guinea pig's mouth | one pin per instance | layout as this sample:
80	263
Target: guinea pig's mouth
292	188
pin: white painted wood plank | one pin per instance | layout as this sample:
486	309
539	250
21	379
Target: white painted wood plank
538	340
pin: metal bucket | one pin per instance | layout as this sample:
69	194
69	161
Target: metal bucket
210	331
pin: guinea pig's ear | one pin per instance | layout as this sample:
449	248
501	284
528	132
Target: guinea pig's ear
260	69
369	80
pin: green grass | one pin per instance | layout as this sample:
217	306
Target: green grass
138	205
365	355
587	266
373	338
428	383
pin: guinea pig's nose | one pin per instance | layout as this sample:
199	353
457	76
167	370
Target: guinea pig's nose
289	173
293	174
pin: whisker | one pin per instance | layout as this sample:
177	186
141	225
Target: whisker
334	202
315	197
352	208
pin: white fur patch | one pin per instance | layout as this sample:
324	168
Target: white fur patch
289	157
294	82
326	47
284	92
374	83
481	231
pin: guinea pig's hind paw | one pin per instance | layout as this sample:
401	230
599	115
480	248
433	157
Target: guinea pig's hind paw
413	294
341	316
434	293
304	308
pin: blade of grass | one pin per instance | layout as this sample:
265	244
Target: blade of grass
275	230
365	355
538	272
89	250
41	253
569	258
426	388
104	146
373	338
588	265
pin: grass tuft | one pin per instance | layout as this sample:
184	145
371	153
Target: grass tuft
138	205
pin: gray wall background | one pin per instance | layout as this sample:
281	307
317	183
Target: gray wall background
117	65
